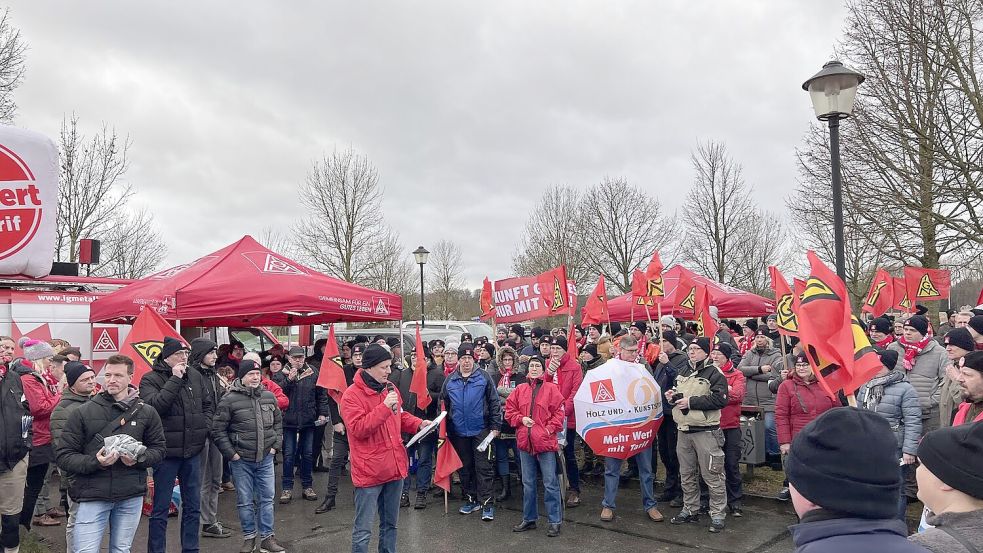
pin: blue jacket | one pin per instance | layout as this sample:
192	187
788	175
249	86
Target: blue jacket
823	531
472	404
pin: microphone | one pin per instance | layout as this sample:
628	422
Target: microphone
391	388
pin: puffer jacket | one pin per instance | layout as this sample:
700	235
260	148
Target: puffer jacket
798	403
14	411
968	525
517	378
374	433
543	403
758	393
247	422
308	401
897	401
730	416
42	401
70	401
81	439
472	403
184	405
926	375
569	376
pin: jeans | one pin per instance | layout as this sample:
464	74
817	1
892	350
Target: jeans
188	473
73	513
255	483
339	456
569	455
545	463
92	518
298	442
384	501
424	464
646	479
771	434
502	447
667	452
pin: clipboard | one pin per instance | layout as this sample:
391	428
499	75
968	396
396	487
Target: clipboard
423	433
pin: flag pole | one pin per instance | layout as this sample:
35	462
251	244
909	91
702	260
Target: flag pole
658	306
445	502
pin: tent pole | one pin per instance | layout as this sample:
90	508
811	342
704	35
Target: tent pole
177	326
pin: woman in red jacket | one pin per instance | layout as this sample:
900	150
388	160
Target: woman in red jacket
800	400
371	410
536	410
730	423
42	398
565	372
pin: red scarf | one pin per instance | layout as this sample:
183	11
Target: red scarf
506	380
448	368
911	350
883	344
745	344
727	367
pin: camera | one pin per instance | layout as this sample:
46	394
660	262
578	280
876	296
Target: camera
676	397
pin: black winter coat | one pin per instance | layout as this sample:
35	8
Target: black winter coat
665	375
81	439
349	370
247	422
184	405
308	401
15	416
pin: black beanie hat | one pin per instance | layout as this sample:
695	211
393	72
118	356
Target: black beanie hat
976	323
591	349
882	325
704	344
172	346
919	323
671	337
538	332
393	342
953	455
920	309
375	354
558	341
889	358
640	325
751	324
961	338
74	370
466	349
518	330
973	360
245	366
828	468
725	349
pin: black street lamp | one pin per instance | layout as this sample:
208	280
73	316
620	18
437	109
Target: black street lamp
833	91
421	255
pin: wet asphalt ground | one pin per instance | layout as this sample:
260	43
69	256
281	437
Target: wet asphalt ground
762	529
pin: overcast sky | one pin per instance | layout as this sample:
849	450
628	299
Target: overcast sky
468	110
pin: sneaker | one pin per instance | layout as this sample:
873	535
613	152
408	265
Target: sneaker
269	545
553	530
573	499
248	545
286	496
421	500
404	500
737	510
684	517
469	507
607	514
784	495
488	512
46	520
310	494
215	531
676	502
716	525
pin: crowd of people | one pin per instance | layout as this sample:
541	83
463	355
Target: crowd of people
212	419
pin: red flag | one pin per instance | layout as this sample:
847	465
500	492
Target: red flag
418	385
653	274
901	300
487	303
705	324
927	284
331	376
571	343
788	322
686	293
447	460
596	309
145	340
554	291
640	289
880	297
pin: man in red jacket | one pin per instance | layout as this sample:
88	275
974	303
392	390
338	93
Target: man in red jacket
565	372
374	419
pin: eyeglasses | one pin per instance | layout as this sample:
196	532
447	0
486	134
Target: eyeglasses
802	365
630	350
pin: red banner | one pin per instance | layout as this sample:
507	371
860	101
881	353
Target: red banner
880	297
418	384
927	284
901	300
145	341
331	376
526	298
596	309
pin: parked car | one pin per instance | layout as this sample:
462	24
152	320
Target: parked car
476	328
409	335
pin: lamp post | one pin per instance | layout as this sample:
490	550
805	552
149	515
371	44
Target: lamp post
833	91
421	255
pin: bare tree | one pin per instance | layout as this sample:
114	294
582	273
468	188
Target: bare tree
341	232
92	191
718	213
554	236
766	243
131	246
277	241
622	227
391	270
12	50
445	276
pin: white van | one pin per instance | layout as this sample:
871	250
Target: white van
476	328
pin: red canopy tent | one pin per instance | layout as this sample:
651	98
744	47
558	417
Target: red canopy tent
246	284
730	301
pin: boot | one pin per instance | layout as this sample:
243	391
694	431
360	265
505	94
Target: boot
248	545
325	505
269	545
506	488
